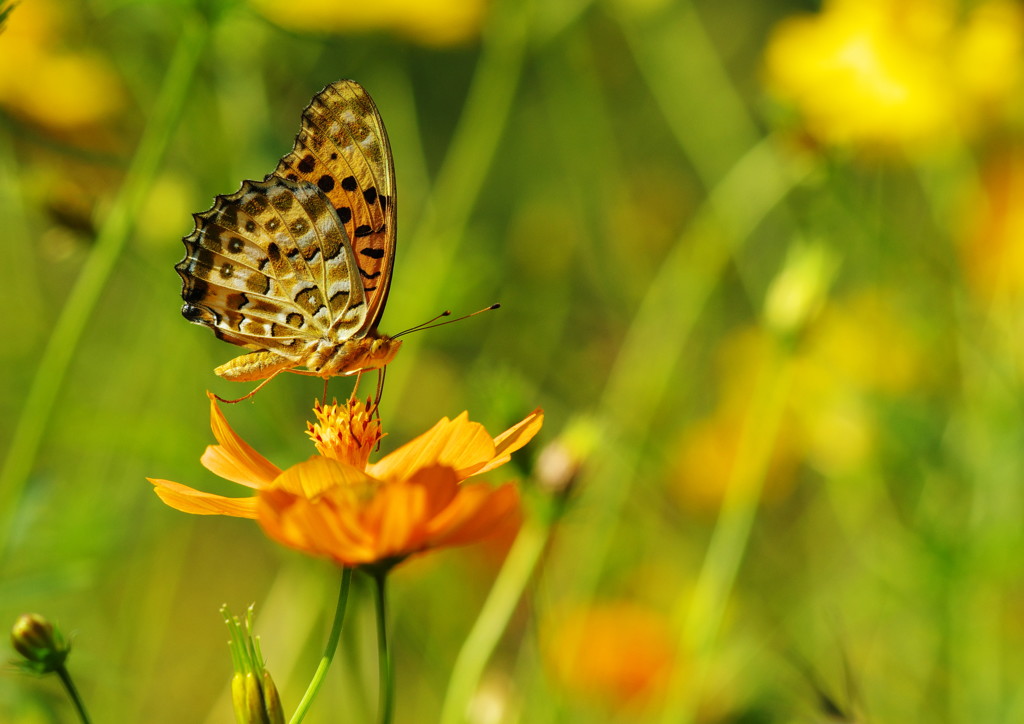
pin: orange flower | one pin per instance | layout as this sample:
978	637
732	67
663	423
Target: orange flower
615	653
339	505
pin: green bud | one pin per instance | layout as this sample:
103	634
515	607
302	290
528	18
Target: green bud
255	712
271	700
238	696
253	694
42	645
800	289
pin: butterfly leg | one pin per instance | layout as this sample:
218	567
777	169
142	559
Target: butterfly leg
355	387
381	371
257	389
380	393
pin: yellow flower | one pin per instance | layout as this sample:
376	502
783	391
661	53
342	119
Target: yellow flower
55	86
340	506
897	74
706	455
831	416
430	22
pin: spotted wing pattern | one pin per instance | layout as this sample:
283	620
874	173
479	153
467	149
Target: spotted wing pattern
270	267
342	148
306	254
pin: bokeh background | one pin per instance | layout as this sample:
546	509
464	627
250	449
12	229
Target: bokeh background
761	263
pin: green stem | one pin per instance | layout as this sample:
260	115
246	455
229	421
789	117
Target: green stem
81	301
385	664
438	242
508	589
69	686
705	610
332	645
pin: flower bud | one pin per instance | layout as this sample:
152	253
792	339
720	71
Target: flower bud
238	696
561	461
253	710
271	700
799	291
42	645
253	694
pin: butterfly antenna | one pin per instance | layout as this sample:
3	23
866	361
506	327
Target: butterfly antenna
424	325
246	397
429	324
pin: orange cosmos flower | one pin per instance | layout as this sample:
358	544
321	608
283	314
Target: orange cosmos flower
338	505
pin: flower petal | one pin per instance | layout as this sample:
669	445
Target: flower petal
514	438
476	513
318	475
397	516
322	528
460	444
455	443
234	459
189	500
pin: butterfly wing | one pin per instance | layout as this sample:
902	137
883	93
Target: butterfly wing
343	150
270	267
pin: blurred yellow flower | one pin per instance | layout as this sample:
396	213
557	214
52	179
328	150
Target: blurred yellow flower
340	506
706	455
57	87
430	22
897	74
860	348
618	654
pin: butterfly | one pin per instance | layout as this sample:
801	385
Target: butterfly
297	266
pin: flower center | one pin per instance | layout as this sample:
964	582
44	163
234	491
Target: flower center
347	433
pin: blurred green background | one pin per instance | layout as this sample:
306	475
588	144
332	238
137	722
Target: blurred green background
760	262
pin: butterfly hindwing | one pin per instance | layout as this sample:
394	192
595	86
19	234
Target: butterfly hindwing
269	267
342	149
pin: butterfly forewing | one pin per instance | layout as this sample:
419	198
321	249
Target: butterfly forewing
342	149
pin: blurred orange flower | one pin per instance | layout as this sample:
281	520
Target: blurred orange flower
616	653
339	505
430	22
991	250
898	74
